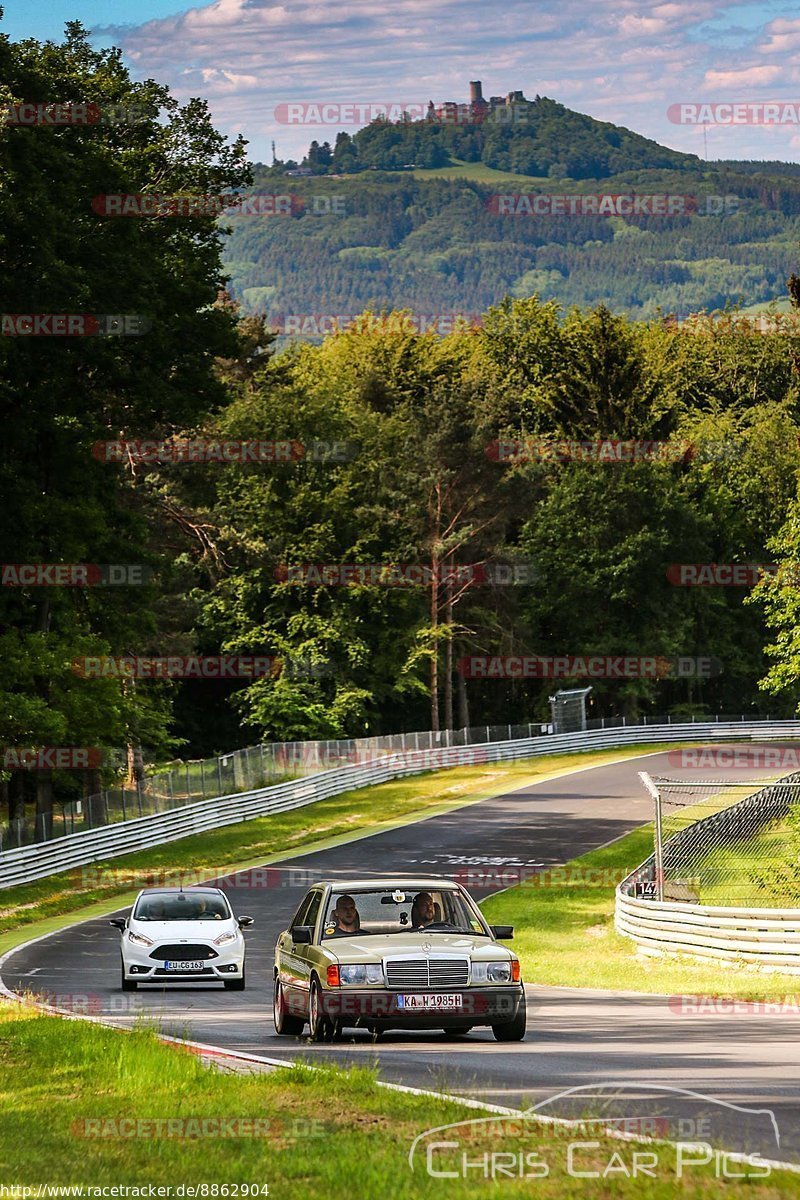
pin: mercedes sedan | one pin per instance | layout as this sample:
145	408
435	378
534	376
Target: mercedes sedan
395	954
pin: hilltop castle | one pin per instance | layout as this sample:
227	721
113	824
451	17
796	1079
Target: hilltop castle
478	108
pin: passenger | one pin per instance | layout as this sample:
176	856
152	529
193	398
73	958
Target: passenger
423	911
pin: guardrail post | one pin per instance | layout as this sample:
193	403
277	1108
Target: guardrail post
658	847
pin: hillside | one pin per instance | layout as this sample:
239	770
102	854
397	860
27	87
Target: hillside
433	236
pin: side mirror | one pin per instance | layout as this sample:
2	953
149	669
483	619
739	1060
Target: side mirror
118	922
506	932
244	922
302	934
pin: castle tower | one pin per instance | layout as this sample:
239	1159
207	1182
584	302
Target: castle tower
476	92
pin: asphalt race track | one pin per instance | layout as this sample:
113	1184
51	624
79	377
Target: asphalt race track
643	1045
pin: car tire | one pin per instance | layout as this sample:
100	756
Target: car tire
285	1024
514	1030
320	1027
235	985
128	985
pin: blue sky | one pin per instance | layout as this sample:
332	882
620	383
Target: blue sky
619	60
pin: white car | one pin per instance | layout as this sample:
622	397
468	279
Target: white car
177	936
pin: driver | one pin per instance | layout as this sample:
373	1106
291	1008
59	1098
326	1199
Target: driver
422	910
346	917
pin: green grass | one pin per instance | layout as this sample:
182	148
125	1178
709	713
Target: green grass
84	892
480	173
725	875
564	935
327	1133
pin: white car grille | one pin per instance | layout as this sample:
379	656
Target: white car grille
427	972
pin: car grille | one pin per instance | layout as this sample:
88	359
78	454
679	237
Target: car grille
182	953
427	972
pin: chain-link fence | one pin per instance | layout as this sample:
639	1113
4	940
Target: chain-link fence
185	783
723	842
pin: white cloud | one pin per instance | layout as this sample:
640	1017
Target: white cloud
624	60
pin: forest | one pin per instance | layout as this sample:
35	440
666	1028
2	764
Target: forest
378	539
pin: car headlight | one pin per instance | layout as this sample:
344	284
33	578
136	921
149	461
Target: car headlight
491	972
139	939
225	939
361	973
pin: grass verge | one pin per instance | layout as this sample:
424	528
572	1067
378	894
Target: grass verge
80	1104
564	934
37	908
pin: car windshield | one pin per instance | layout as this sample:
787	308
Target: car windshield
182	906
396	910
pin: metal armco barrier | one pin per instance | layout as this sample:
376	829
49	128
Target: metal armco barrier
765	937
79	849
768	937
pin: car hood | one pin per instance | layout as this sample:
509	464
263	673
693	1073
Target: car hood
374	947
182	931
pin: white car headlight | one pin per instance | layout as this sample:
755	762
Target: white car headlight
491	972
361	973
225	939
139	939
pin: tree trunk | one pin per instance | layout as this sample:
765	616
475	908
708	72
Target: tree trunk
16	809
448	653
435	653
44	807
94	801
463	702
135	766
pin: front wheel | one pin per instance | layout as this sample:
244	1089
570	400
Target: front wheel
514	1030
128	985
320	1027
235	985
285	1023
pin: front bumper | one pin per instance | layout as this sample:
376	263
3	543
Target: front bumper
377	1006
141	967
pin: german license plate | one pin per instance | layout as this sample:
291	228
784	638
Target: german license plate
191	965
429	1000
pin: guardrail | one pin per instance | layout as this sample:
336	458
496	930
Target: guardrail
35	862
766	937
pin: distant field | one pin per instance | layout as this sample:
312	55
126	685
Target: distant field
479	173
783	304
